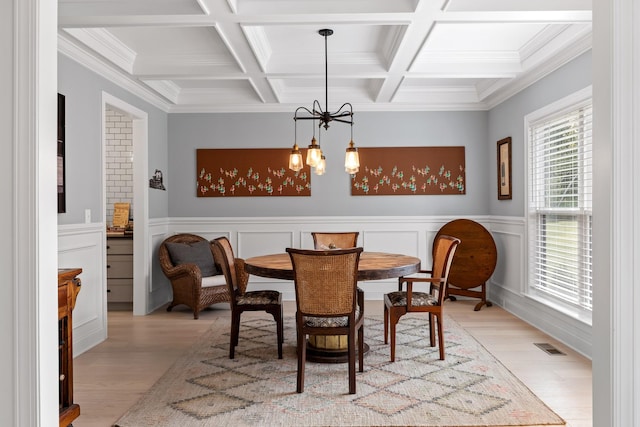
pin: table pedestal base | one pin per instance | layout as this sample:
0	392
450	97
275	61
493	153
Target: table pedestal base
329	355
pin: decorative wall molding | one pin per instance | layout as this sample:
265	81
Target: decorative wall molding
411	235
84	246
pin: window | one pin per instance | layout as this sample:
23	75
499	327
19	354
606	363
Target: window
560	203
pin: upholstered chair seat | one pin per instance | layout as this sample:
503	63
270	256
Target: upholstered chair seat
329	322
259	297
419	299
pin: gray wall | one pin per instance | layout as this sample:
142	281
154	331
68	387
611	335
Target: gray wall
330	192
83	97
507	119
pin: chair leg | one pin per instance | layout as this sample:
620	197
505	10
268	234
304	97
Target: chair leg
302	358
352	359
386	323
361	348
277	315
432	335
393	319
235	333
440	335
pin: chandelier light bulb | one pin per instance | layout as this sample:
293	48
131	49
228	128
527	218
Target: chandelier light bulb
314	153
295	159
351	159
321	167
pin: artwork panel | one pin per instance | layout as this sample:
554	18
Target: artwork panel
245	172
386	171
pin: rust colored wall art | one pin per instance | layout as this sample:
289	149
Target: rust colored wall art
410	170
249	172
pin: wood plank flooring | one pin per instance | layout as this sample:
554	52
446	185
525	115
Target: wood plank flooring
112	376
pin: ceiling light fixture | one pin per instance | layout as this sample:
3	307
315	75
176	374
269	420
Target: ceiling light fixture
315	158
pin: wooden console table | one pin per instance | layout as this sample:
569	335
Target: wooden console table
68	288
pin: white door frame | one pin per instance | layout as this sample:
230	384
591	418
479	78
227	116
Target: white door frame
141	261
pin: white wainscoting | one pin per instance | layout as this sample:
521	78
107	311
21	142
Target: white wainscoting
508	284
259	236
82	245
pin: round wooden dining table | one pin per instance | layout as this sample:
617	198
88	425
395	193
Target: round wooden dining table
372	266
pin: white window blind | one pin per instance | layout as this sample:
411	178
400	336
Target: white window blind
560	206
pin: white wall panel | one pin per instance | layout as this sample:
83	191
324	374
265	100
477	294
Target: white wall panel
256	243
84	247
393	241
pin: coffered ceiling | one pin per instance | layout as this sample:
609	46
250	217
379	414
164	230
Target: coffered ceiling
267	55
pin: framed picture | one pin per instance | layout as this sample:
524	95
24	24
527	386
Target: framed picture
504	169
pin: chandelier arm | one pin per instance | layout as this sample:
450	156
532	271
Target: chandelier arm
295	115
312	117
337	119
349	111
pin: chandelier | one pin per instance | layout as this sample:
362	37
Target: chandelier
315	157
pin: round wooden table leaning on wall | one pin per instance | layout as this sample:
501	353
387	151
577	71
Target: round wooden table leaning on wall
372	266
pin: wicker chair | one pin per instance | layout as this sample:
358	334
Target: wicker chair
188	285
241	300
335	240
327	302
399	303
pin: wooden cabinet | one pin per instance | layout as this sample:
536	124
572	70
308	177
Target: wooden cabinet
68	288
119	271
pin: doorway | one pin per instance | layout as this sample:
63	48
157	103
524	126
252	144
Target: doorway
134	191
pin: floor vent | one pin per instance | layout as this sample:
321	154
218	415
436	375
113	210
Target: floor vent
549	349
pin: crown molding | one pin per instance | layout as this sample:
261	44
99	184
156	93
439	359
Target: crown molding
576	49
76	53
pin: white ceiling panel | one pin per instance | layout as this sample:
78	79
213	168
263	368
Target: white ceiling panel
267	55
128	7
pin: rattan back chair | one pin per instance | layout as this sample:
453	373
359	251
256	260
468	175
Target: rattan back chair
338	240
243	300
328	303
399	303
186	279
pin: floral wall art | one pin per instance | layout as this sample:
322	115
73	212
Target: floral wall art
410	171
249	172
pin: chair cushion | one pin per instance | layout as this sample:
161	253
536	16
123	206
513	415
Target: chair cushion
328	322
259	297
198	253
418	299
217	280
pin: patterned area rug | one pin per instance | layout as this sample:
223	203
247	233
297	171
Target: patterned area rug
469	388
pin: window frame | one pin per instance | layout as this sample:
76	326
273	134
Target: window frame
554	110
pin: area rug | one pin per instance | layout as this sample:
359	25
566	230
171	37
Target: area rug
469	388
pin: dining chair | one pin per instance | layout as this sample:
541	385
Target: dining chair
188	262
399	303
339	240
327	303
243	300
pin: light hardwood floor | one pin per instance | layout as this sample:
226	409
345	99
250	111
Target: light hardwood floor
112	376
